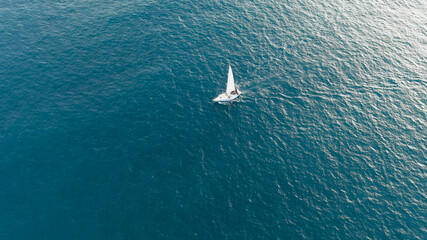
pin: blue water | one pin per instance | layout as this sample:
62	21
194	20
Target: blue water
108	129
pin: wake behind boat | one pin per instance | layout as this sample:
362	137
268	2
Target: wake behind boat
231	92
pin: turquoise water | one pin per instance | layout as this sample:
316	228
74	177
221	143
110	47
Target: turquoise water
108	129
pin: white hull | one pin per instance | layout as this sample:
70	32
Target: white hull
224	97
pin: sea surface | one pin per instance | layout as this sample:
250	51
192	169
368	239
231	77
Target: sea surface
108	129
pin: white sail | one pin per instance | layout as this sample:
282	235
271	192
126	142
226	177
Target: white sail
230	81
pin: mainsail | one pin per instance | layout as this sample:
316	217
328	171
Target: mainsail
230	81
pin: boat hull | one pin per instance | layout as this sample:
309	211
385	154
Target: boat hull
224	97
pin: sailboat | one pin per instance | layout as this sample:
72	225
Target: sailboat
231	92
